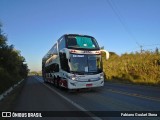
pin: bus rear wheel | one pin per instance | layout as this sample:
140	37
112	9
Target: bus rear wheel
57	82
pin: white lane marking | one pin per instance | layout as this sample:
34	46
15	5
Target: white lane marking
134	85
134	95
4	94
71	102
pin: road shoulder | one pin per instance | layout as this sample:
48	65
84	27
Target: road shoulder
8	103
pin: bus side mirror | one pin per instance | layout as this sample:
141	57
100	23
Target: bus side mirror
107	53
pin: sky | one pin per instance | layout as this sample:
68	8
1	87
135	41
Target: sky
121	26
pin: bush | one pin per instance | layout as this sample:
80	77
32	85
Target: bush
141	68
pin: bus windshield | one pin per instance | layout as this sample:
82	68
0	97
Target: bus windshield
85	63
83	42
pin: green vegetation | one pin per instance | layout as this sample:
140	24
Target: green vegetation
139	68
39	73
12	67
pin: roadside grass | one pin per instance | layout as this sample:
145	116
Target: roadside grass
9	102
138	68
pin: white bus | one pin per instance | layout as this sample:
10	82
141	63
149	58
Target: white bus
74	62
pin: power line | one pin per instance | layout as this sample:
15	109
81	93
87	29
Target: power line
144	47
124	24
147	46
151	45
121	19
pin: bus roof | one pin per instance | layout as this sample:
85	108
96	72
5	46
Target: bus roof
48	53
78	35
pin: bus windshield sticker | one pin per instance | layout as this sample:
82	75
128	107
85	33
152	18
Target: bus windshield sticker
78	55
86	69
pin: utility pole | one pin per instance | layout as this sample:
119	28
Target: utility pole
0	28
141	48
157	50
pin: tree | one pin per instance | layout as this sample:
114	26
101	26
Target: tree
12	67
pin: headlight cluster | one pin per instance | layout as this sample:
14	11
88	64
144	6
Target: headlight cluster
74	78
101	76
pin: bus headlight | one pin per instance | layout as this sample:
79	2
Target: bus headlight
101	76
74	78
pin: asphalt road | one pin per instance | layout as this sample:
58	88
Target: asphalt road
39	96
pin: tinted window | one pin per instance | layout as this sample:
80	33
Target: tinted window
64	62
82	42
61	43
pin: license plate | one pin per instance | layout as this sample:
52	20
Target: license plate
88	85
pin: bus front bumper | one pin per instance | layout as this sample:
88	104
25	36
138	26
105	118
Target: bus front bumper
78	85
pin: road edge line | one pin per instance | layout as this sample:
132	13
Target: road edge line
71	102
9	90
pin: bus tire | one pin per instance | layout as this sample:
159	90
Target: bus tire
44	79
58	79
54	80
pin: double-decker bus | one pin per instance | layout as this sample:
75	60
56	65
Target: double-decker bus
74	62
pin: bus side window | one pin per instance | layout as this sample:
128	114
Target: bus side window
61	43
54	68
64	61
